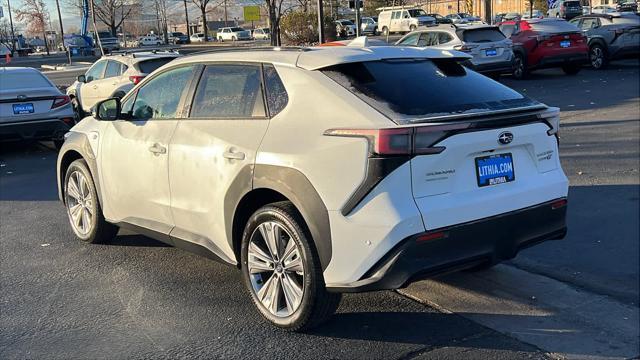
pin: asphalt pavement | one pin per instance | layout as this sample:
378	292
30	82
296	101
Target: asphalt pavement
135	297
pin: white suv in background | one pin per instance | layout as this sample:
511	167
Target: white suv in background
319	171
233	34
114	76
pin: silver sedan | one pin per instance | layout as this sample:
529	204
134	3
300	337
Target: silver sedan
31	107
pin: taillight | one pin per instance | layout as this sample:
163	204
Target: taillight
432	236
135	79
60	100
558	204
401	141
465	48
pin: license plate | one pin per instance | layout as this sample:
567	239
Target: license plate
495	169
491	52
22	109
565	43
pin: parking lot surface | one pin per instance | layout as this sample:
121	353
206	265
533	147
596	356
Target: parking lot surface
136	297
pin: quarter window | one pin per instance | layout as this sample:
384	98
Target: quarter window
277	97
159	98
229	91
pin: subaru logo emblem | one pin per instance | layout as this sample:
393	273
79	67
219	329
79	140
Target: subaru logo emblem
22	97
505	138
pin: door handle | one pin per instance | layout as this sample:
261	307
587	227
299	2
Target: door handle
95	86
158	149
232	155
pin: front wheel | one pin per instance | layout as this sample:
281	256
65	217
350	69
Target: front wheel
597	57
282	271
571	69
412	28
83	207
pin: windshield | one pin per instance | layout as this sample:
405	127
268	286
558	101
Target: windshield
411	90
572	3
553	26
417	12
266	30
346	22
177	34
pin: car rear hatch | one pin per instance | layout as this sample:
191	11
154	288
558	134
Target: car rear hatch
486	44
18	105
476	148
558	36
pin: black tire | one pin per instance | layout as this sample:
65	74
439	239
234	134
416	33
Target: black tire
598	56
375	31
571	69
385	31
520	70
317	304
77	109
412	28
58	143
100	231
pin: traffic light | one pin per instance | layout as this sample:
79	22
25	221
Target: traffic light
352	4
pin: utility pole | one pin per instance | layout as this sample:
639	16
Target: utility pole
186	19
225	13
357	6
320	22
13	36
62	32
95	27
458	6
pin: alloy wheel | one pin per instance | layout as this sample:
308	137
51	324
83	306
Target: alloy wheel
518	67
80	204
597	57
276	269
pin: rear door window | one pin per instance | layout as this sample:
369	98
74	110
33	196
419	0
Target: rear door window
482	35
413	90
229	91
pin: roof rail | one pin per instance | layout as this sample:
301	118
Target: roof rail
151	51
250	48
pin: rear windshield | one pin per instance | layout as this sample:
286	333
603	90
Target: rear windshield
411	90
22	80
482	35
553	26
346	22
236	29
149	66
572	3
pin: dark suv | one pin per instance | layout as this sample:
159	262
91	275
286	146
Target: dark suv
545	43
565	9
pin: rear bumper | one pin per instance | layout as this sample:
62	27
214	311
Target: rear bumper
488	240
37	130
559	60
495	67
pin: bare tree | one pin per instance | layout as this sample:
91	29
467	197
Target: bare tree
112	13
6	38
203	5
275	12
35	15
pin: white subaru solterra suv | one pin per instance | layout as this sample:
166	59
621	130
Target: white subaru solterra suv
319	171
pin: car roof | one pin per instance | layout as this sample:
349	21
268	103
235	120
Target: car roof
314	58
4	70
135	57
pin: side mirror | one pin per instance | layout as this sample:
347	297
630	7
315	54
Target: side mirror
82	79
107	110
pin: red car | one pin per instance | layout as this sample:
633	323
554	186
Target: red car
545	43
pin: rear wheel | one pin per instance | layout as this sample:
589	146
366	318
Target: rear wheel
520	66
385	31
282	271
77	109
83	207
597	56
571	69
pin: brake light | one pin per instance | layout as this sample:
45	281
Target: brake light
401	141
432	236
60	100
558	204
552	117
135	79
465	48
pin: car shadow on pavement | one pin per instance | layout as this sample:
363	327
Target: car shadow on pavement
135	240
